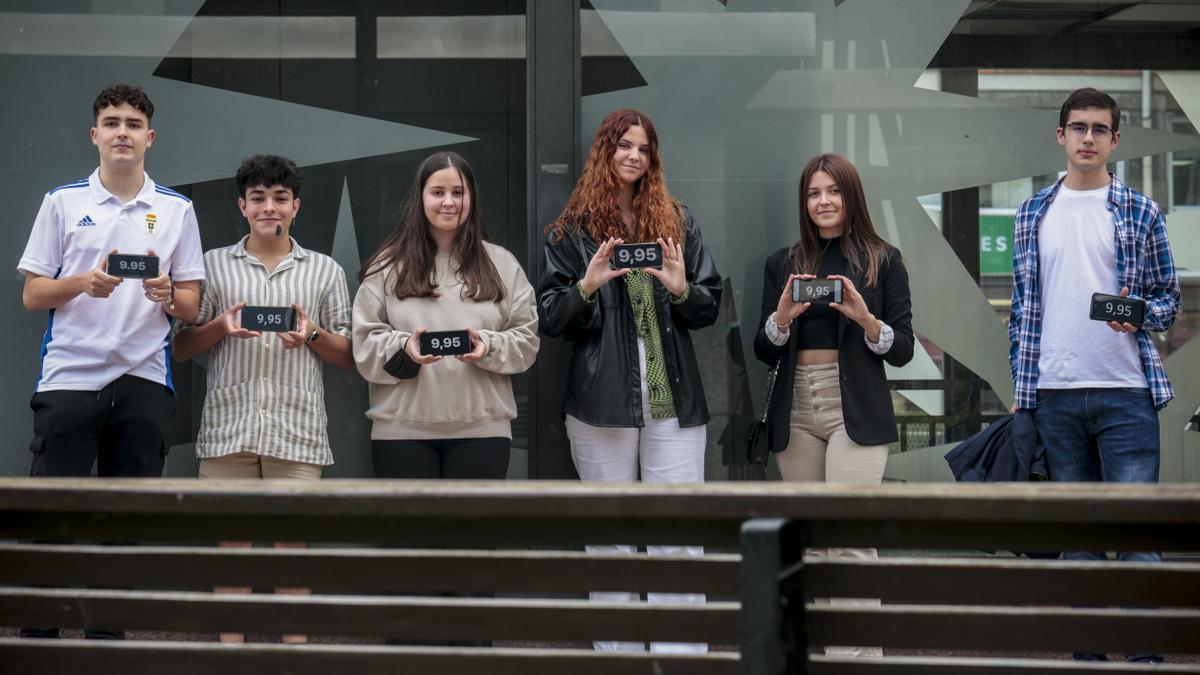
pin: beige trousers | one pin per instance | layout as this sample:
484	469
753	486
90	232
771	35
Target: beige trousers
818	447
251	465
820	450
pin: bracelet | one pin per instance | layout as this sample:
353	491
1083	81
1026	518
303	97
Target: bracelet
583	294
782	327
171	299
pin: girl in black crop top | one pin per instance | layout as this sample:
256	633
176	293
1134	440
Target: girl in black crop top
830	417
831	413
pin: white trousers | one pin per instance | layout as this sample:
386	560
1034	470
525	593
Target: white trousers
660	452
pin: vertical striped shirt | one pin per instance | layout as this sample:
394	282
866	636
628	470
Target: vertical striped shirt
261	397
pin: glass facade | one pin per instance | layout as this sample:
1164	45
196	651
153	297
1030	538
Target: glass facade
947	107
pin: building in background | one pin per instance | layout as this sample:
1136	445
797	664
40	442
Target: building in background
948	107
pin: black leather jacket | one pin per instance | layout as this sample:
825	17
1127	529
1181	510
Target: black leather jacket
604	380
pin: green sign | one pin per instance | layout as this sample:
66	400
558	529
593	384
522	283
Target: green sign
996	243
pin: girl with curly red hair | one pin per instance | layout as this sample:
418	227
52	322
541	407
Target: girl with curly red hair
634	404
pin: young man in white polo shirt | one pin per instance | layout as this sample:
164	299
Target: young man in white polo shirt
264	412
104	394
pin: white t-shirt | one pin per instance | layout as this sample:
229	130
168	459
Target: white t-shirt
1077	257
90	342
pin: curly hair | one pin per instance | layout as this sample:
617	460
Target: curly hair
268	171
593	207
116	94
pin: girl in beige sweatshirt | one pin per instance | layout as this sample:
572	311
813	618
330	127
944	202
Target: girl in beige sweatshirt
442	416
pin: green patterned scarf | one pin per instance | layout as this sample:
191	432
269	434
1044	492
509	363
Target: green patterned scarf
641	294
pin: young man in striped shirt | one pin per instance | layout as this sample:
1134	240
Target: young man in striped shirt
264	412
1095	387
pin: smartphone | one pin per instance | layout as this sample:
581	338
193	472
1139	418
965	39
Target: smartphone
271	319
1107	307
129	266
817	290
446	343
636	255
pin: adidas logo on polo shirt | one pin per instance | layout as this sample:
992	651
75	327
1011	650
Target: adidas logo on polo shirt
86	221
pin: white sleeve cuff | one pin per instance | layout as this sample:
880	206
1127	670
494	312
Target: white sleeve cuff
778	337
886	336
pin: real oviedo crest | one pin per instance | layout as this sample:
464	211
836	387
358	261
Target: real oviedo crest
151	224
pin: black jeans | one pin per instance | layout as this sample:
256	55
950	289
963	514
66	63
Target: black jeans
456	458
121	429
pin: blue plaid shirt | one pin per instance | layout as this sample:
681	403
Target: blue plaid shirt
1143	264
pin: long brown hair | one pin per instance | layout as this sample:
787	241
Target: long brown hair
410	248
593	206
859	239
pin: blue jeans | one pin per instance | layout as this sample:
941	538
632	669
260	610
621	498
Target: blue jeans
1100	435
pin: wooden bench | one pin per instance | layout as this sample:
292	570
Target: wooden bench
520	541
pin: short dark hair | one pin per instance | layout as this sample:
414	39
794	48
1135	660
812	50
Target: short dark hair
116	94
1081	99
268	170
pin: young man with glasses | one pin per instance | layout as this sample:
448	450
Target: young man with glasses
1095	386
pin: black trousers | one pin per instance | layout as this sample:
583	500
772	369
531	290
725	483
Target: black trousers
121	429
461	458
458	458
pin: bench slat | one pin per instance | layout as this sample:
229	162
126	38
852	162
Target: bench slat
479	529
975	502
955	534
493	530
96	657
1006	628
1005	581
928	665
415	618
362	570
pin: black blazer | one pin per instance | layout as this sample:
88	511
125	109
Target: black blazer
866	398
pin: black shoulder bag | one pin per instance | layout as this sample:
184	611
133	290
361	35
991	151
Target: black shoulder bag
757	451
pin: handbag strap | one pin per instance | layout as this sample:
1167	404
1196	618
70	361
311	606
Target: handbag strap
771	375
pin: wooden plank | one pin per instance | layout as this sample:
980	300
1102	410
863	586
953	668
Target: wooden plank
361	570
1006	581
956	534
426	531
547	530
930	665
1170	631
94	657
979	503
415	618
1030	517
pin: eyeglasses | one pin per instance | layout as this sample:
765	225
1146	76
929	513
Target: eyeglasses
1099	131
